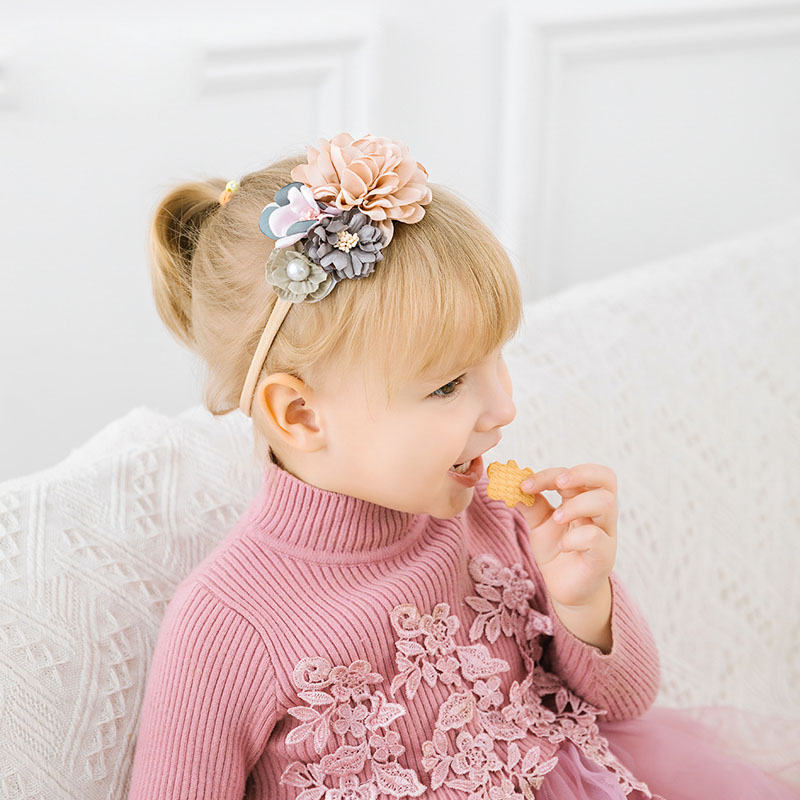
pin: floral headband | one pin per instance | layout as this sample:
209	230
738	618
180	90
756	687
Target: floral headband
332	222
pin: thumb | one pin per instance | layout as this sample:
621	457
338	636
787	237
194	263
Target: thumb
545	533
536	514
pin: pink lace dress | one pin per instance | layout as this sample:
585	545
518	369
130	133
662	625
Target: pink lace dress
541	742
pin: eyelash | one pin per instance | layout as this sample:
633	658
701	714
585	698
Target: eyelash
458	381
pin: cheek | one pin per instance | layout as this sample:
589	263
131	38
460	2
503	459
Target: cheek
446	434
419	439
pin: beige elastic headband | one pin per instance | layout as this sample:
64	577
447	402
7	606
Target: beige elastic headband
331	223
276	317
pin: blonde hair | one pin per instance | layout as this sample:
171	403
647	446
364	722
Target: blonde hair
443	297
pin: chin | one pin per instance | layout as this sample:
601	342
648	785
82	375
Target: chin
457	504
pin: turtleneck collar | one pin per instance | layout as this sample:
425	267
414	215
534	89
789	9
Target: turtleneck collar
320	525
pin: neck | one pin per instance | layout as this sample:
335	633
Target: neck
317	524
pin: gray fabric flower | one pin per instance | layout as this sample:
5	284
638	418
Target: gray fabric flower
347	245
296	278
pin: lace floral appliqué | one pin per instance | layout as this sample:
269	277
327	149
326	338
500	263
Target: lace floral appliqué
463	750
342	702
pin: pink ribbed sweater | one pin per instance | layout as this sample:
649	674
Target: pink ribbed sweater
331	642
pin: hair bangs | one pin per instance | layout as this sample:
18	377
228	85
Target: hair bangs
447	297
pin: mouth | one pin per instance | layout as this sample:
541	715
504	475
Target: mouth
468	473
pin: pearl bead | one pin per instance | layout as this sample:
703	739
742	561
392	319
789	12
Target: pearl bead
297	269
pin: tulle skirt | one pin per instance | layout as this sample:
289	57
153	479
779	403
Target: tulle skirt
704	753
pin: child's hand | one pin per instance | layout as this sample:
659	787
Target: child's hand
576	553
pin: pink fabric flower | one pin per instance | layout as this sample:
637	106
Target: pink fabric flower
278	218
374	173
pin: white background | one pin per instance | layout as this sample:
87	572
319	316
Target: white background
593	136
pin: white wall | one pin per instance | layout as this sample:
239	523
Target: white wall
594	136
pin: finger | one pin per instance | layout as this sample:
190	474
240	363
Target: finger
593	475
599	505
581	538
537	513
546	479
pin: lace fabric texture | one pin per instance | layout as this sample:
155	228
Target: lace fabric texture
483	745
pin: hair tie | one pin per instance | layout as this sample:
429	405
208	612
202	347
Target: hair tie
230	188
332	222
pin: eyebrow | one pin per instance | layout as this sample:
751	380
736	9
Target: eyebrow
456	371
444	377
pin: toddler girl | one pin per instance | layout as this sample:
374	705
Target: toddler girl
375	626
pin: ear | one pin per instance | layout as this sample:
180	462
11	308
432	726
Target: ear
286	405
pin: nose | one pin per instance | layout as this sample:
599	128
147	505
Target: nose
500	409
506	410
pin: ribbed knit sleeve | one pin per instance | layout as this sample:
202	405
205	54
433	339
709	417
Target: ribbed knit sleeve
209	703
624	681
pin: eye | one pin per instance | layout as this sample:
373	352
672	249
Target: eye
455	384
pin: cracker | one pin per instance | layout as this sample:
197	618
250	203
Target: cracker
504	481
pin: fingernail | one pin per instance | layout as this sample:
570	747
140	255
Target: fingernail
558	514
563	479
527	485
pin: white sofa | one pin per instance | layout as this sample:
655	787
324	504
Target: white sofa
682	375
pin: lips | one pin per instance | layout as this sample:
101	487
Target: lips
479	453
472	475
